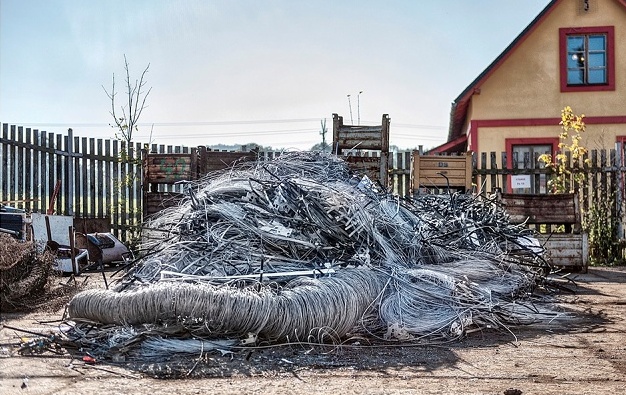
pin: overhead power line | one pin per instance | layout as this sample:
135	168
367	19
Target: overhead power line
217	123
191	123
234	134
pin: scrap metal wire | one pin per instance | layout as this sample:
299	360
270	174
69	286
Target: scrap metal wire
303	309
404	269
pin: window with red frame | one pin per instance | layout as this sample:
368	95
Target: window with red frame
587	59
523	154
525	157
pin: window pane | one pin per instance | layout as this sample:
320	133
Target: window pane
597	43
597	76
575	77
587	59
531	150
597	60
575	60
575	43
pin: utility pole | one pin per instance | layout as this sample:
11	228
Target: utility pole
350	105
358	107
323	133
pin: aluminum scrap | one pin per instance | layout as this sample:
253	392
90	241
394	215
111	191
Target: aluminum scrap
293	243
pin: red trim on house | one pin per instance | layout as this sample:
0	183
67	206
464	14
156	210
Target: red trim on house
450	146
615	119
473	136
610	57
460	105
495	123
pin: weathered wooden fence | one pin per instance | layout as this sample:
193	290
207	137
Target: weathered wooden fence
102	178
93	178
600	185
98	178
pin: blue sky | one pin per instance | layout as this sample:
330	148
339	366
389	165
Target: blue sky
241	71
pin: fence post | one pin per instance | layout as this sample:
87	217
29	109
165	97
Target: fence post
76	172
69	171
504	185
613	181
494	168
481	174
12	154
619	194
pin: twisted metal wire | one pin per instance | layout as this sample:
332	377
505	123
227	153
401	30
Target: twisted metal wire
432	266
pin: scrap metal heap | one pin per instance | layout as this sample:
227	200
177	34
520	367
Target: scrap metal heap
299	249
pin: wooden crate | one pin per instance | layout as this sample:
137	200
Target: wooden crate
542	209
567	249
371	166
441	172
156	201
349	142
168	169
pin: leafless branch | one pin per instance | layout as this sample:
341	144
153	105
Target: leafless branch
127	122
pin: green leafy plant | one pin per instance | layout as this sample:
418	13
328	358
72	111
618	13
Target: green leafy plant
601	230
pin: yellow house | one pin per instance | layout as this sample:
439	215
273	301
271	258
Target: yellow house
572	54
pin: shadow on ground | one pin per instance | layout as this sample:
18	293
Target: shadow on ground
580	311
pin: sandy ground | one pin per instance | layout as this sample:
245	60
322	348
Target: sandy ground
583	355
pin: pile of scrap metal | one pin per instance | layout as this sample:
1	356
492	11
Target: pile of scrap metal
299	249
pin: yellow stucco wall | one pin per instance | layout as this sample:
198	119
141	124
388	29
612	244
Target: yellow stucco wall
527	84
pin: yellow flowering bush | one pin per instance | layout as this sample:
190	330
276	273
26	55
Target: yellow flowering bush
572	127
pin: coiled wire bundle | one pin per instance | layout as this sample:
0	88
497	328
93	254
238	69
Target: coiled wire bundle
323	307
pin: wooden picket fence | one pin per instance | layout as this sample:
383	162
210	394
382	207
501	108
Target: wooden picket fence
102	178
97	178
89	175
602	177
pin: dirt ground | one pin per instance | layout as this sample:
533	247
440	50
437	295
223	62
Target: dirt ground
585	354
